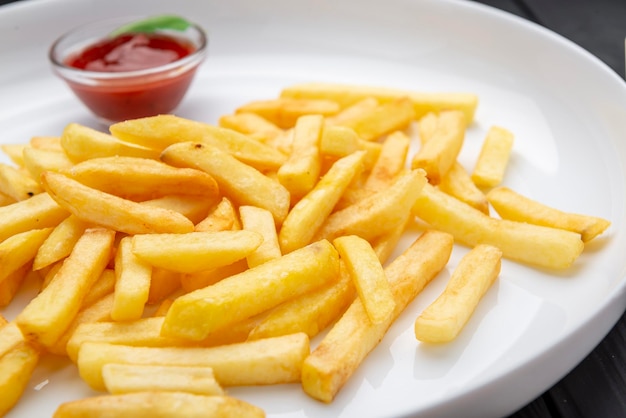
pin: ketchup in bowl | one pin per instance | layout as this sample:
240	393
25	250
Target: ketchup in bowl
128	75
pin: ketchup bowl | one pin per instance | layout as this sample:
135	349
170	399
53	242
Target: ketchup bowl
129	74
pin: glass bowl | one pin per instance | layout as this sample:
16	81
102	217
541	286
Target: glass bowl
123	95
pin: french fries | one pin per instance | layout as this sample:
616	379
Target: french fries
514	206
159	404
177	258
442	320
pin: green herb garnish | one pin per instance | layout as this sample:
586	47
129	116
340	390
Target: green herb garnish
153	24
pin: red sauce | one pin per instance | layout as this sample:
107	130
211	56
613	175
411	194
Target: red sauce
116	100
129	52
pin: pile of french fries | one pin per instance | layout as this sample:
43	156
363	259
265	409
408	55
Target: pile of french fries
178	258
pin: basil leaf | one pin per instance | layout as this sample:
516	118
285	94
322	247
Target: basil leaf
152	24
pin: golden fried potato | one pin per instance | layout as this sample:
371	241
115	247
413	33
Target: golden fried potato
197	314
16	369
195	251
236	180
350	340
516	207
38	212
110	211
284	112
493	158
536	245
50	313
347	95
444	319
261	362
158	404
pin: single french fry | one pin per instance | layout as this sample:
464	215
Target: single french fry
368	275
38	160
60	242
158	404
20	249
161	131
132	378
444	319
284	112
307	216
516	207
310	313
260	362
17	184
440	152
377	213
347	95
142	179
383	119
107	210
536	245
16	369
493	158
236	180
82	143
49	314
132	284
195	251
261	221
221	217
326	370
38	212
197	314
301	171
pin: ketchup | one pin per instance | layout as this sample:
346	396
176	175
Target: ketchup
138	95
130	52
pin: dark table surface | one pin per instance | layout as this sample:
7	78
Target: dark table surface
596	388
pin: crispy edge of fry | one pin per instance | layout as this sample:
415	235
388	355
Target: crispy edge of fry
326	370
20	249
60	242
444	318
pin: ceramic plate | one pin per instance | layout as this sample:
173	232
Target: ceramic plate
566	109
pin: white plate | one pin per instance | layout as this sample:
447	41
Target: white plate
567	110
